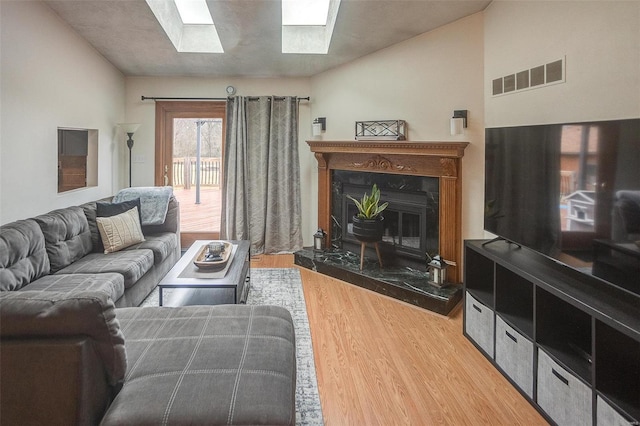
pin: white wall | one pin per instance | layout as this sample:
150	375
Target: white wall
50	78
143	112
422	80
601	43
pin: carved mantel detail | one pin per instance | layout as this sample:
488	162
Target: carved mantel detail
382	163
437	159
448	167
322	162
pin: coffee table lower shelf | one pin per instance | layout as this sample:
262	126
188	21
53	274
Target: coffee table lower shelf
232	288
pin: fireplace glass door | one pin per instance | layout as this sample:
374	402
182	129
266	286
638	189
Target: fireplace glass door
403	227
411	220
406	219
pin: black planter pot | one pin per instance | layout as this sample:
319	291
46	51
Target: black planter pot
368	230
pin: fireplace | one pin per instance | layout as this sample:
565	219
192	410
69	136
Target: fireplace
411	219
422	182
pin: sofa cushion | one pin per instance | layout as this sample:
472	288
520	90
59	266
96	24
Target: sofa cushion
120	231
90	211
106	209
27	314
110	283
171	223
23	257
67	236
225	364
131	264
162	245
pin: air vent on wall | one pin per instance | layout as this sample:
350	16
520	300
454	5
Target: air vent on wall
533	78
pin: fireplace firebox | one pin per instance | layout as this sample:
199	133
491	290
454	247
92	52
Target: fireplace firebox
410	220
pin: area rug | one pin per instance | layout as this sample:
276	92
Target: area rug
283	287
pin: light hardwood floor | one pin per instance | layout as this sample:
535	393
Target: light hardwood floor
384	362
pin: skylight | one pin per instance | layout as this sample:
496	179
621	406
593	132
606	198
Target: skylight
305	12
194	12
307	25
190	29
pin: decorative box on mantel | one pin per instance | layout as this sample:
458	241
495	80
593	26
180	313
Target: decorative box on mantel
382	130
433	159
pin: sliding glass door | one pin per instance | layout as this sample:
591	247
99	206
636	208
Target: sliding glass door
189	153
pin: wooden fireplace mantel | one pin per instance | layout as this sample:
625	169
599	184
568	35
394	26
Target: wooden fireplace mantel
435	159
442	149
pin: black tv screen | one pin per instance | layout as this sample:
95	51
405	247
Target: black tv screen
566	189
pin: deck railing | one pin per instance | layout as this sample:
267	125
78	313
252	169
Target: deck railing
184	171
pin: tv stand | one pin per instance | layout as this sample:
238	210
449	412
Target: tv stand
618	262
568	341
501	239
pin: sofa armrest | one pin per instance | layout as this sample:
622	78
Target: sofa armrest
58	315
52	382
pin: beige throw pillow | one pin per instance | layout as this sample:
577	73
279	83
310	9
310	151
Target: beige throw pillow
120	231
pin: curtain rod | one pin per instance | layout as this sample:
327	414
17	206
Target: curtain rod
251	98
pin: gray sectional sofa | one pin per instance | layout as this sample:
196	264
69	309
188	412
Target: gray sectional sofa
59	251
75	349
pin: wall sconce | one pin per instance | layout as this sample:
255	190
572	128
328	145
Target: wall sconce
129	129
318	126
458	122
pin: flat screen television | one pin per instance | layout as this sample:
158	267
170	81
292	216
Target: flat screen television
570	191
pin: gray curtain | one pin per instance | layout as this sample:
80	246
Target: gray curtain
261	189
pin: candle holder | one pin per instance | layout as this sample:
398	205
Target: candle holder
319	239
437	269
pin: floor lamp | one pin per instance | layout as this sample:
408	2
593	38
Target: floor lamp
129	129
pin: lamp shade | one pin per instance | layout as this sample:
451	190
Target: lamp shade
457	126
129	127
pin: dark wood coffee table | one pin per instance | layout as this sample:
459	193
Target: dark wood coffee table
201	287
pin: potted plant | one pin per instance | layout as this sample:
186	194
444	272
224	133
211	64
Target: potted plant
368	225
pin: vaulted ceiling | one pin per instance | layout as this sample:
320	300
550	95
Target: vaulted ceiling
127	33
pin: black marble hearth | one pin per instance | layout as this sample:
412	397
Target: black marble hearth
402	283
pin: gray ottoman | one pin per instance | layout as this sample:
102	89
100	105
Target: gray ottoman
213	365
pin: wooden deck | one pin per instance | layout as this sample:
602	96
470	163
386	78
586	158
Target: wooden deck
203	217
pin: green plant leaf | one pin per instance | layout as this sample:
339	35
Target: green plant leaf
368	206
382	207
